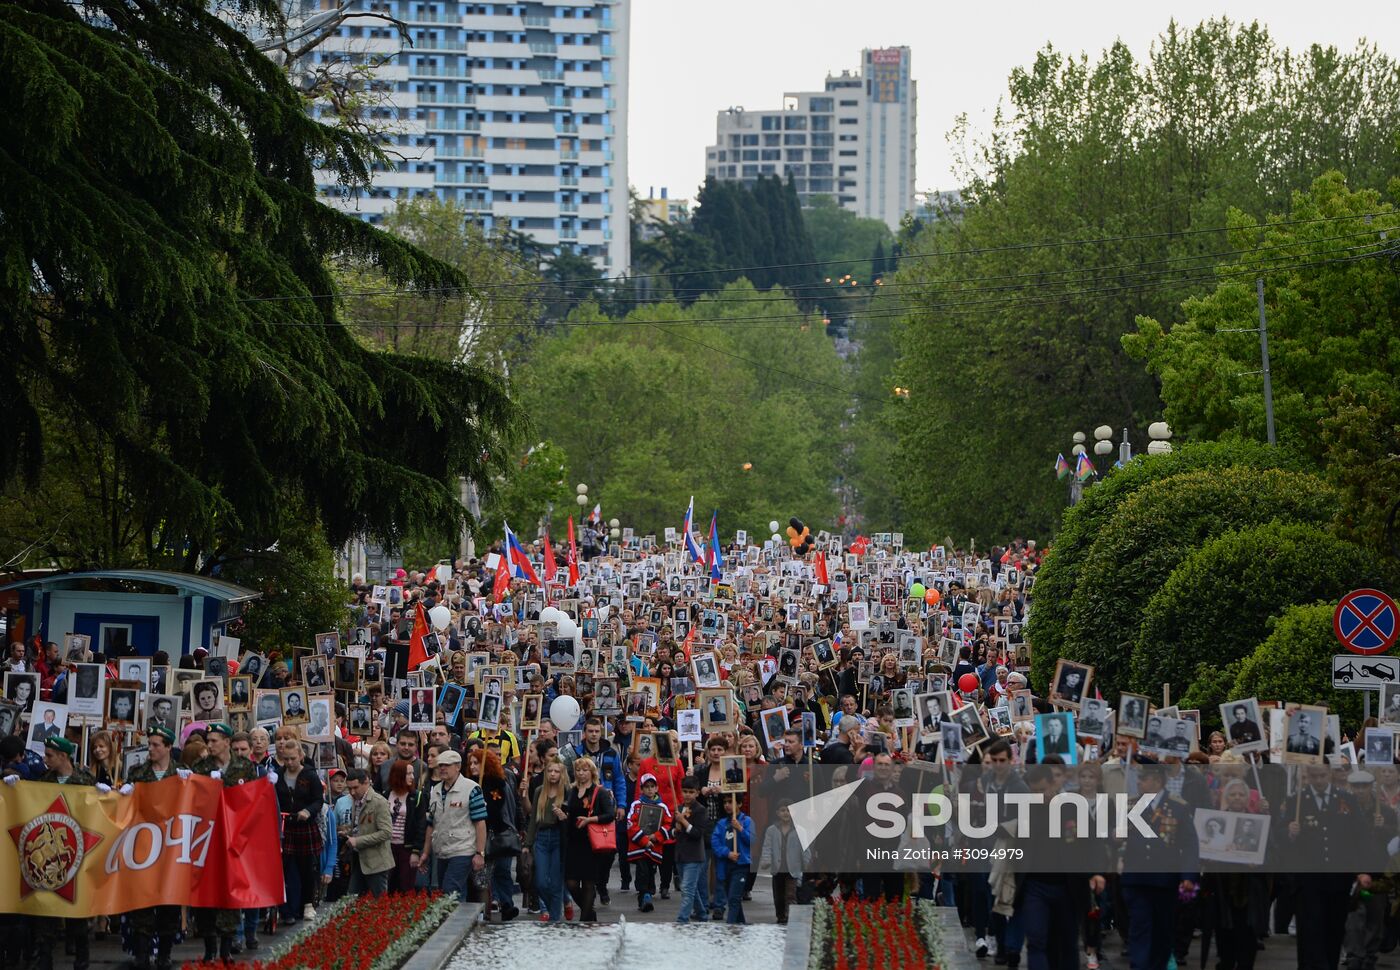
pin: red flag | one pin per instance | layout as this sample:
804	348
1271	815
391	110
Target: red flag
501	586
821	569
573	555
550	568
689	640
417	653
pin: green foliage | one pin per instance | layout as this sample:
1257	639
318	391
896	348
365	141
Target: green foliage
166	272
1210	687
1215	606
1156	528
1333	323
1008	347
537	486
1295	664
1060	574
757	233
845	242
301	596
673	401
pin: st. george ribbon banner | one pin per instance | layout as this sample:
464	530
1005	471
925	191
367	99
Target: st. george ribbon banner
71	851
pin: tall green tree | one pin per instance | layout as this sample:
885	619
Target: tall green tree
168	301
1009	342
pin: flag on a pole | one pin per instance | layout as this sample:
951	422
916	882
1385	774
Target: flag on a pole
690	544
1083	469
417	651
573	555
501	585
596	516
1062	468
712	554
550	567
821	569
518	561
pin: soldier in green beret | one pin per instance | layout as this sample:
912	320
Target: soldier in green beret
158	923
218	926
58	756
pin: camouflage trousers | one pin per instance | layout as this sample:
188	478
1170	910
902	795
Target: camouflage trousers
155	920
216	922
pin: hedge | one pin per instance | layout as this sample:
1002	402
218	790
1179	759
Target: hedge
1058	577
1295	664
1215	607
1156	528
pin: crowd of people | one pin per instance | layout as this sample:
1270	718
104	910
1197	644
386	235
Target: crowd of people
553	735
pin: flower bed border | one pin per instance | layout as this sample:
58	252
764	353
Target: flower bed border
875	935
325	946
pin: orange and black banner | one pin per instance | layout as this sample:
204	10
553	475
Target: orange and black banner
71	851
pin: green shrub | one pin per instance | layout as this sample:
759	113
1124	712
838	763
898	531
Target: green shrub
1295	664
1215	607
1157	527
1059	576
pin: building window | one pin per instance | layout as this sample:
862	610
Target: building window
795	122
770	123
796	155
821	104
794	139
821	155
750	140
821	122
818	138
750	156
770	155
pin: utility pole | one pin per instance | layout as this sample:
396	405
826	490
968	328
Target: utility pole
1264	353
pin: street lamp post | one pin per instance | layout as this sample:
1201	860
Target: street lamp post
1160	444
1076	487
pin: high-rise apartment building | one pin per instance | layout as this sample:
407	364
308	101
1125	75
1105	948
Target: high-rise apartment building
853	140
517	111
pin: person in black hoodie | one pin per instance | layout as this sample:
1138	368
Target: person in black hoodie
691	829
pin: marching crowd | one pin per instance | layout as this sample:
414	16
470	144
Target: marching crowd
574	735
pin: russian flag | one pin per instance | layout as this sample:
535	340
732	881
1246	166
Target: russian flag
690	544
713	556
519	562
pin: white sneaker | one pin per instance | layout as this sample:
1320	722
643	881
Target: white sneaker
1091	963
991	946
981	946
308	911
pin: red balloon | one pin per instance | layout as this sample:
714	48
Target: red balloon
968	683
932	597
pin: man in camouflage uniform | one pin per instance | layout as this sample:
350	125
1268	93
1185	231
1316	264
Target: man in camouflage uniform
58	756
218	926
161	923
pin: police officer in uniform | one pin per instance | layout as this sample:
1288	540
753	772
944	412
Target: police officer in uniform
158	923
58	756
218	926
1325	820
1157	871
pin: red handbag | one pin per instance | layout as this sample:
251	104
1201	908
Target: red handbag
602	836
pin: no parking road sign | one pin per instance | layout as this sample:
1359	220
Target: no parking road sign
1366	621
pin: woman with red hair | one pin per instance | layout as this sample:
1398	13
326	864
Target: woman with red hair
485	768
408	818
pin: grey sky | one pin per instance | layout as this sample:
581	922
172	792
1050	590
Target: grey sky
691	58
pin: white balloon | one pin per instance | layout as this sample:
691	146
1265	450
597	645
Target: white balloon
773	526
564	712
552	614
566	626
442	573
440	616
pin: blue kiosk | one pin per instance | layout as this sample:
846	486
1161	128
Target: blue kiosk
142	609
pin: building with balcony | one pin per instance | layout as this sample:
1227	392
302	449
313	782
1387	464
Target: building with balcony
517	111
661	210
853	140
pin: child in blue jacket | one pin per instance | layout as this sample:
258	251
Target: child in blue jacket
730	842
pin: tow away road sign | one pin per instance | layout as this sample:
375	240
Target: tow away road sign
1350	672
1366	621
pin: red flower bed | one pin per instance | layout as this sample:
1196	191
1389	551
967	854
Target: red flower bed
876	935
352	939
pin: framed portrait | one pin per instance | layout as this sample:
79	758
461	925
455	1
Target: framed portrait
489	716
267	707
314	676
665	749
969	720
607	696
422	708
930	709
240	693
706	669
1054	734
77	648
361	719
1305	728
717	709
1237	837
85	689
217	667
734	774
160	679
646	744
902	701
450	699
824	653
999	720
531	711
122	696
1132	715
207	700
951	743
1070	683
162	710
1243	726
347	672
328	644
48	720
1022	705
1390	704
651	686
320	719
133	758
1092	721
134	668
688	725
1379	746
9	718
295	709
775	722
372	672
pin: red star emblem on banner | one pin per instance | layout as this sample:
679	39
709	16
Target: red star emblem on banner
51	848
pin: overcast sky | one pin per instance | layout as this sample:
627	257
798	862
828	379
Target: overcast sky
692	58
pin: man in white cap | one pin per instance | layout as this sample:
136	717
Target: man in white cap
456	834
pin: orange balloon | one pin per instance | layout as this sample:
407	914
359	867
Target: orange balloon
932	597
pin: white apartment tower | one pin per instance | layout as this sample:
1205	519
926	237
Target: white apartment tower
518	111
853	140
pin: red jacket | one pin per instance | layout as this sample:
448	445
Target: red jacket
653	847
668	781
